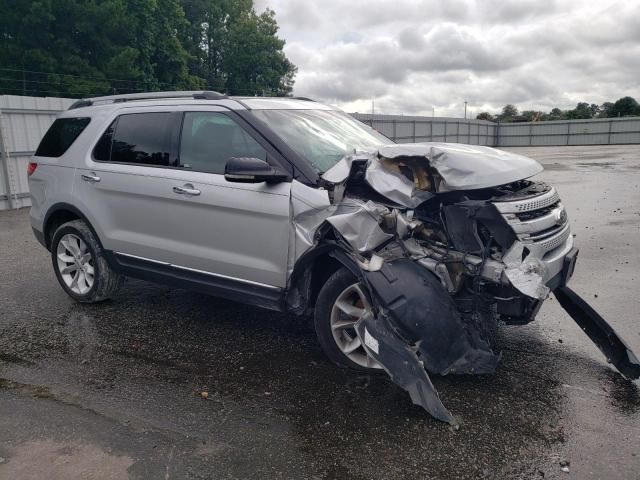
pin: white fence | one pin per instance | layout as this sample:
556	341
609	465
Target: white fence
23	122
596	131
412	129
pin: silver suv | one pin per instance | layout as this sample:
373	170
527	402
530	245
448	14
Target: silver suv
407	256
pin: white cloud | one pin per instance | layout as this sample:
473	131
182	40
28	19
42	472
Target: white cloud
412	55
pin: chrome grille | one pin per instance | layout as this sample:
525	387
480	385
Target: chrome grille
544	227
528	204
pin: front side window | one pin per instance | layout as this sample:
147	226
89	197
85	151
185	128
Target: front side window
62	133
322	137
209	139
142	138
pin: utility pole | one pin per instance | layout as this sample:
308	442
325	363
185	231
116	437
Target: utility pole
433	112
465	109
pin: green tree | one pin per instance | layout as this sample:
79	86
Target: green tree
582	110
254	61
485	116
509	111
625	107
91	47
606	110
555	114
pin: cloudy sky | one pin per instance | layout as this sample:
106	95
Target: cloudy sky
412	55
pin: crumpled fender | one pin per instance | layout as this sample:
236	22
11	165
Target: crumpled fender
416	328
423	313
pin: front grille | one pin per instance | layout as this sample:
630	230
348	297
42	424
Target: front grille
540	222
556	240
518	206
533	214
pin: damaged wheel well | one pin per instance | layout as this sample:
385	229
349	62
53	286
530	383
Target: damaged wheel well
323	267
310	274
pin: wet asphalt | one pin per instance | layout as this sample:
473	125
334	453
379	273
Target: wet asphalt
115	390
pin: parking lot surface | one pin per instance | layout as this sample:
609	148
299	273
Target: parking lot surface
115	390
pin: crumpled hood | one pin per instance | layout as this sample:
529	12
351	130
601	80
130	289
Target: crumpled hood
462	167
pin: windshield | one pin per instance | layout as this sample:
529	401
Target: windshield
321	136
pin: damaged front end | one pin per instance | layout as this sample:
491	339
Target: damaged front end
448	239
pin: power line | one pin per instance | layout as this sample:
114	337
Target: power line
105	79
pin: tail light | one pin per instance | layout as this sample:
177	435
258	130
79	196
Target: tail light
31	168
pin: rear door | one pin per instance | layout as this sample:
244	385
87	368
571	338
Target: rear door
123	188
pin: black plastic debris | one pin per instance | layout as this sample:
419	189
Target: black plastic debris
600	332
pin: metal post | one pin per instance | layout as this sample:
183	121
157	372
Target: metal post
458	132
414	131
431	131
4	160
530	133
568	131
445	131
610	128
395	135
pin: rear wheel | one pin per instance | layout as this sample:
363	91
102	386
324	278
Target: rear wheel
341	303
80	265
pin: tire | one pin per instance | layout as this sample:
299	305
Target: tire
343	286
80	265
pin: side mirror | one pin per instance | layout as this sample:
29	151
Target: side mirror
252	170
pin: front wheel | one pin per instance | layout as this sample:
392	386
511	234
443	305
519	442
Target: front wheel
80	265
341	302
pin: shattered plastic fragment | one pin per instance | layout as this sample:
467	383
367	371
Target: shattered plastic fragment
527	275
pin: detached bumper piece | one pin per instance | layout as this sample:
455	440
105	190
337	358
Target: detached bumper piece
417	329
600	332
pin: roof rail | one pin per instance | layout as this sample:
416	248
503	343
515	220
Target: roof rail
131	97
303	98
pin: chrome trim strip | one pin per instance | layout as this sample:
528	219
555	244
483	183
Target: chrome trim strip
143	258
195	270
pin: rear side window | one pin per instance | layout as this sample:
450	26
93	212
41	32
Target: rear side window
61	135
142	138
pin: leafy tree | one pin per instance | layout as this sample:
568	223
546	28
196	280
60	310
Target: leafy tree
555	114
606	110
92	47
625	107
254	61
509	111
485	116
582	110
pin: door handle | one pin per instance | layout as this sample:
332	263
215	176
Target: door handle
93	178
186	190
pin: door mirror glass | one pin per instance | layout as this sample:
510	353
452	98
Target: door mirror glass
252	170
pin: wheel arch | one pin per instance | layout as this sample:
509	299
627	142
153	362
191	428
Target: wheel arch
59	214
311	272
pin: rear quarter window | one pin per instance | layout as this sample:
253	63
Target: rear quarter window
61	136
